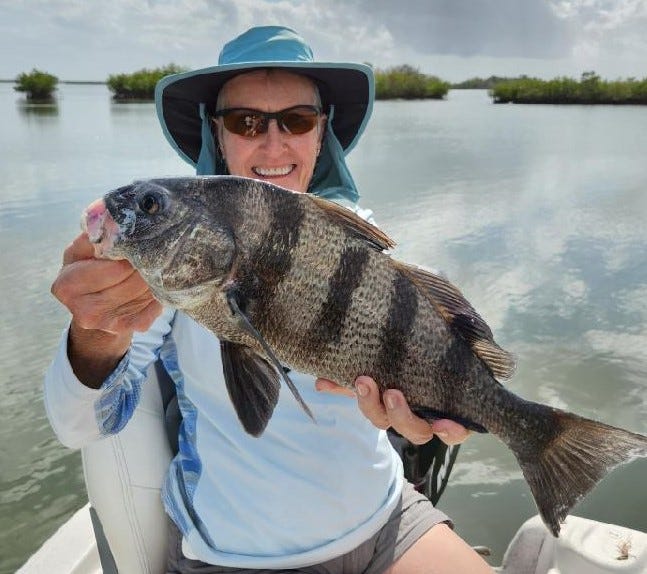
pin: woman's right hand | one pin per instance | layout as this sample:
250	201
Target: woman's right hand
390	410
108	300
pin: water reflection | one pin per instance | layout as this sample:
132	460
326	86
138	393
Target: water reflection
37	108
537	214
129	106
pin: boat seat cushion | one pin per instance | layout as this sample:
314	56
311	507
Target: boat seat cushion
124	474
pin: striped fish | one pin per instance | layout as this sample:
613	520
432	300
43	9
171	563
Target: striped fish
289	279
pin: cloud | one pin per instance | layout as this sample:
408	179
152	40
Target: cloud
612	34
499	28
76	39
89	40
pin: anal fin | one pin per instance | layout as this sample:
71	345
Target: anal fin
433	414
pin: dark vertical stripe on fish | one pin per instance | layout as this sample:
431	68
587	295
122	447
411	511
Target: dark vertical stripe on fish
395	334
272	261
328	324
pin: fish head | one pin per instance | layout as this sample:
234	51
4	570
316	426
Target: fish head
178	248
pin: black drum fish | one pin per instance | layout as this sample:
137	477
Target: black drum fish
291	280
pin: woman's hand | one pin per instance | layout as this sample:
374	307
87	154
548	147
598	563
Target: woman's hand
101	294
108	301
392	410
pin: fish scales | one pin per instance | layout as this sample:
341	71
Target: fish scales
357	296
369	319
289	280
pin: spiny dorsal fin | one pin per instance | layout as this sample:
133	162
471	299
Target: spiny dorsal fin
459	314
354	223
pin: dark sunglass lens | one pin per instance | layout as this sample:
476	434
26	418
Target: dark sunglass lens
245	123
251	123
299	121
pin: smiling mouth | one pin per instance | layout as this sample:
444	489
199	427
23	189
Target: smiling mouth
274	171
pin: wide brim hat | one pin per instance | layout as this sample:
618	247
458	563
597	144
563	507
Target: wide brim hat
348	87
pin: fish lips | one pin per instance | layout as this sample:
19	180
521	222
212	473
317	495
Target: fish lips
100	227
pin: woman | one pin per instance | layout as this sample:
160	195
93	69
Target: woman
310	498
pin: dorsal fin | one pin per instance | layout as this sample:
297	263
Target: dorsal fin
354	223
459	314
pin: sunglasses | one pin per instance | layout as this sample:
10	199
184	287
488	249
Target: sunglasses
250	123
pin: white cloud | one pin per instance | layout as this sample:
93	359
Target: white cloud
500	28
612	36
76	39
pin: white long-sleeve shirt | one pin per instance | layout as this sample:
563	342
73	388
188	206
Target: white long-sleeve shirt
299	494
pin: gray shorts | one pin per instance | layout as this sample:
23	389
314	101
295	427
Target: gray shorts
413	516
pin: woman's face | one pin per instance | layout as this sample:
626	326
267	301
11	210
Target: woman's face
281	158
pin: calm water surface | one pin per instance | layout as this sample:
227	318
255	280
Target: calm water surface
537	213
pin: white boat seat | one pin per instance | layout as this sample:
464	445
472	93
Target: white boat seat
584	547
124	475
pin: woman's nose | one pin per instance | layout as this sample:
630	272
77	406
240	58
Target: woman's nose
274	138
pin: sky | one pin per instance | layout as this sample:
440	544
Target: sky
452	39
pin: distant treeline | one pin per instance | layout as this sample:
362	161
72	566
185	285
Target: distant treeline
479	83
140	85
403	82
408	83
590	89
398	82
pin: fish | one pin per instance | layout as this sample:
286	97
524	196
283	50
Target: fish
289	280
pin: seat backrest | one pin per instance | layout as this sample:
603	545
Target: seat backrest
584	546
124	475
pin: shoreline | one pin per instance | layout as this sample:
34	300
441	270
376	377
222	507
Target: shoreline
93	82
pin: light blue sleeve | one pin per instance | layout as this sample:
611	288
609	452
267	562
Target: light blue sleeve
79	414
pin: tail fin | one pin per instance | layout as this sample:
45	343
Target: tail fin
575	455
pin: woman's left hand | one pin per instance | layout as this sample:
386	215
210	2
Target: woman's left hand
392	410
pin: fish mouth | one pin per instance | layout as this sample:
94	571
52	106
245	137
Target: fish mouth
92	220
100	227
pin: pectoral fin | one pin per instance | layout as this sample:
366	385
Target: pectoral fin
252	384
245	325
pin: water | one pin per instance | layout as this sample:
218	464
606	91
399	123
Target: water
537	213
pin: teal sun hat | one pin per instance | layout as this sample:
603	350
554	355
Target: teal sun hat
185	100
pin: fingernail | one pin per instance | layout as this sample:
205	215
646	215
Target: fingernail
362	389
391	402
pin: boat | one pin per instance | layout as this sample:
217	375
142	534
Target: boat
123	527
584	547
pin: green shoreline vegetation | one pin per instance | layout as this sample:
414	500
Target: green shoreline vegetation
406	82
477	83
590	89
37	85
398	82
139	85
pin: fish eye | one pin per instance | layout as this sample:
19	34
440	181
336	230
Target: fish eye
149	204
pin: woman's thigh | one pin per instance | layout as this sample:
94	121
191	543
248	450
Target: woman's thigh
410	522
